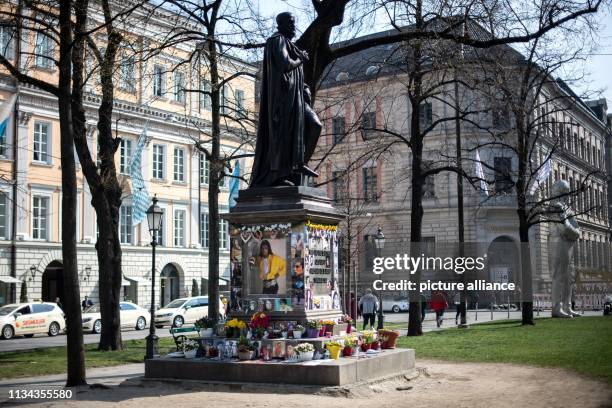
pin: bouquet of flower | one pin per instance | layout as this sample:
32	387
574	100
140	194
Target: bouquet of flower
346	319
304	348
369	336
260	320
350	341
234	327
298	327
244	345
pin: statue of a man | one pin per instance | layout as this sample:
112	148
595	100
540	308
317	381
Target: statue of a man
563	236
288	127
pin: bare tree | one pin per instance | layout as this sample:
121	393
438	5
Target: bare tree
53	20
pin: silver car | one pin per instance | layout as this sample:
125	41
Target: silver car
399	304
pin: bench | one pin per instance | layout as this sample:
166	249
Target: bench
180	335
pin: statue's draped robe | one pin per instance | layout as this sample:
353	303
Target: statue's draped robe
280	136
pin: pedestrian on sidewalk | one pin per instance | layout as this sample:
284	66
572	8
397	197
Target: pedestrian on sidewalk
368	305
86	303
457	302
439	304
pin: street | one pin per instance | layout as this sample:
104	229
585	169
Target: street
43	341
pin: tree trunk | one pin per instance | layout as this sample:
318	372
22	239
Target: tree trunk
71	301
526	273
216	170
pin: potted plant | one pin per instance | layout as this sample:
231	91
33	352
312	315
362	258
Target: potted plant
304	351
328	327
245	349
190	349
205	325
234	328
334	348
313	328
350	342
349	323
259	323
368	337
388	338
298	330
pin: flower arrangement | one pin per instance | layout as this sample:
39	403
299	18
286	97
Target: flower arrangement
205	323
350	341
334	343
328	322
298	327
346	319
313	324
260	320
234	327
304	348
369	336
190	345
244	345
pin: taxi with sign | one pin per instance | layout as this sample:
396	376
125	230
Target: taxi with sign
28	319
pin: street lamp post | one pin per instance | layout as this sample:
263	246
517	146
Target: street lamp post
379	241
154	216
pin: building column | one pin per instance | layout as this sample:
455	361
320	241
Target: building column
193	199
23	159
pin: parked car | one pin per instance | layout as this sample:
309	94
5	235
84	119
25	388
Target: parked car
28	319
396	305
183	310
132	316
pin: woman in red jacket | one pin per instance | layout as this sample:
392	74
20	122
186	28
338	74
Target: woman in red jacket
439	304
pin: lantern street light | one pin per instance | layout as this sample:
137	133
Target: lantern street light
379	242
33	270
154	217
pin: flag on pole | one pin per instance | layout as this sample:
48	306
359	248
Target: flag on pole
480	174
542	174
234	185
6	111
140	196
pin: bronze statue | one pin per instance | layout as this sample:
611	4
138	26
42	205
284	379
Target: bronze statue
288	127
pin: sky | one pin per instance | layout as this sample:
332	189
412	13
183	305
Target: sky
597	67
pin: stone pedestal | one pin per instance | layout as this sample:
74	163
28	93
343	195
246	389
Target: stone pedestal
298	280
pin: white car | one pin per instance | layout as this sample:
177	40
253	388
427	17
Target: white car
28	319
395	305
132	316
183	310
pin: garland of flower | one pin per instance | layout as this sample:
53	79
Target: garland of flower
320	230
266	227
321	226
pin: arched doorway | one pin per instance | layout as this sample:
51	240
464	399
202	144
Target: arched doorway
170	284
503	258
53	282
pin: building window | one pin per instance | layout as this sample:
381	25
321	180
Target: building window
179	87
338	129
43	51
205	99
179	228
7	45
340	186
126	229
239	98
224	100
40	217
179	164
425	115
370	185
503	171
125	155
3	216
159	234
127	75
204	230
204	170
158	162
41	142
368	125
159	81
223	234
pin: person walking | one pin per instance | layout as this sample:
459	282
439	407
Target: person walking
457	303
423	307
368	305
439	304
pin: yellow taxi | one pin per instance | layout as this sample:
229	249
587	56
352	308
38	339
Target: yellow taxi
28	319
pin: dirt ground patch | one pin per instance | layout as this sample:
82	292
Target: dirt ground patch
439	384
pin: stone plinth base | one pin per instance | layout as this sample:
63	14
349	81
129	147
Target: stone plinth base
343	371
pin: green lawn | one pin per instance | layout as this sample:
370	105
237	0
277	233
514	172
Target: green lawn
583	345
53	360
